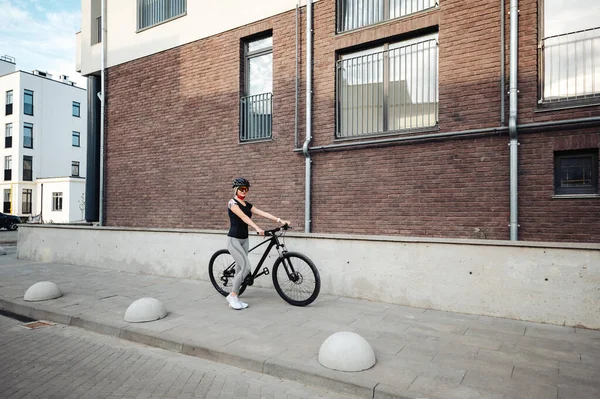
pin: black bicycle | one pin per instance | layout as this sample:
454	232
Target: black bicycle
295	276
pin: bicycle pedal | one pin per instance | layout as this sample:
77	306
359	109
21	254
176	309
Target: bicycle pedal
266	271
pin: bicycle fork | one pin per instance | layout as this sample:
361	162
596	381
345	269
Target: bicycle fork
287	265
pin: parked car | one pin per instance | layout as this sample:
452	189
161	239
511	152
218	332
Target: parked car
9	222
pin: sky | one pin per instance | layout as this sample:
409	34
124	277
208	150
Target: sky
40	34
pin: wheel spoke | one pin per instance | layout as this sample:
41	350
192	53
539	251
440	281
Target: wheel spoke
305	285
217	268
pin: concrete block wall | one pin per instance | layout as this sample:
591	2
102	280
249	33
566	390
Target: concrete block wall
541	282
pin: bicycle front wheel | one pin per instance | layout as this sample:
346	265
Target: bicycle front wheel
296	279
221	270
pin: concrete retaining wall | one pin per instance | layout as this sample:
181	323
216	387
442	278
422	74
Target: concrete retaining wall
542	282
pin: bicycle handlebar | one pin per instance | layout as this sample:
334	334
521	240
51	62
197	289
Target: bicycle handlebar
275	230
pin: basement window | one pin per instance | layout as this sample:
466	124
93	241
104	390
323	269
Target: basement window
576	172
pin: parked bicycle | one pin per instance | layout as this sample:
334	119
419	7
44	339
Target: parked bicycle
295	276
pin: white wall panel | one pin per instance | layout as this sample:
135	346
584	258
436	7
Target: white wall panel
203	19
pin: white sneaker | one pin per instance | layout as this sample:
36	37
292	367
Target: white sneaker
244	304
234	302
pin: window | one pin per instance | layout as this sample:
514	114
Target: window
27	135
26	205
28	102
75	139
57	201
75	168
98	30
8	136
153	12
387	89
8	168
7	201
9	102
27	168
576	172
569	51
353	14
76	109
256	106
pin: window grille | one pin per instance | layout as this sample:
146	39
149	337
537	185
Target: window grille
388	91
570	66
354	14
153	12
256	117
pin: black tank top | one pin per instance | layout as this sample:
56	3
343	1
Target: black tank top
238	228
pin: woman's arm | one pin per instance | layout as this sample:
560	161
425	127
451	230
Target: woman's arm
267	215
236	209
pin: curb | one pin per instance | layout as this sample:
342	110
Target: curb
348	383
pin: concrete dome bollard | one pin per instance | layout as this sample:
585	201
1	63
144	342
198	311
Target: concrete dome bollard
145	309
346	351
42	291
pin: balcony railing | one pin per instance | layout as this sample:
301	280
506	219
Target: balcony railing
388	91
256	117
570	66
354	14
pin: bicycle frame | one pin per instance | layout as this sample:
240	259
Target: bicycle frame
273	242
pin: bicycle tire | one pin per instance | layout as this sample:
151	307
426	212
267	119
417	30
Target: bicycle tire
219	262
309	276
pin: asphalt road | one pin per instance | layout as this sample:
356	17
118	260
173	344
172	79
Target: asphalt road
68	362
8	236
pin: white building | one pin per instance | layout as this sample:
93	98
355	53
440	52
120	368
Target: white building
44	121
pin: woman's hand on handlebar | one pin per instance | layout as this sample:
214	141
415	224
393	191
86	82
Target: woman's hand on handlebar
284	222
260	232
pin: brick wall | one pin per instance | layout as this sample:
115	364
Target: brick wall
546	218
172	137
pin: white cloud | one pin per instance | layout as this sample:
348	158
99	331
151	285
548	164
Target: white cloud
40	37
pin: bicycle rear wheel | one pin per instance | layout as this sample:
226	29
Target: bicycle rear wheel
296	279
221	270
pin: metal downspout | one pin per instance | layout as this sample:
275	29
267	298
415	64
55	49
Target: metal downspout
512	120
307	216
102	101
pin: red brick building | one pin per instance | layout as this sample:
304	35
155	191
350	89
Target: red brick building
410	119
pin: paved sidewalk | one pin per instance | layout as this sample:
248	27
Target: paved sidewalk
420	353
66	362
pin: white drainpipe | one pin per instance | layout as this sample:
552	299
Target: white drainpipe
512	120
307	186
102	98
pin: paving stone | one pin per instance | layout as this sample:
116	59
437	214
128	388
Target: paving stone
510	387
431	388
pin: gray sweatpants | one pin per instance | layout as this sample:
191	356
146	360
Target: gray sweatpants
238	248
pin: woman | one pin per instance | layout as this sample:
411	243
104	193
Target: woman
240	211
